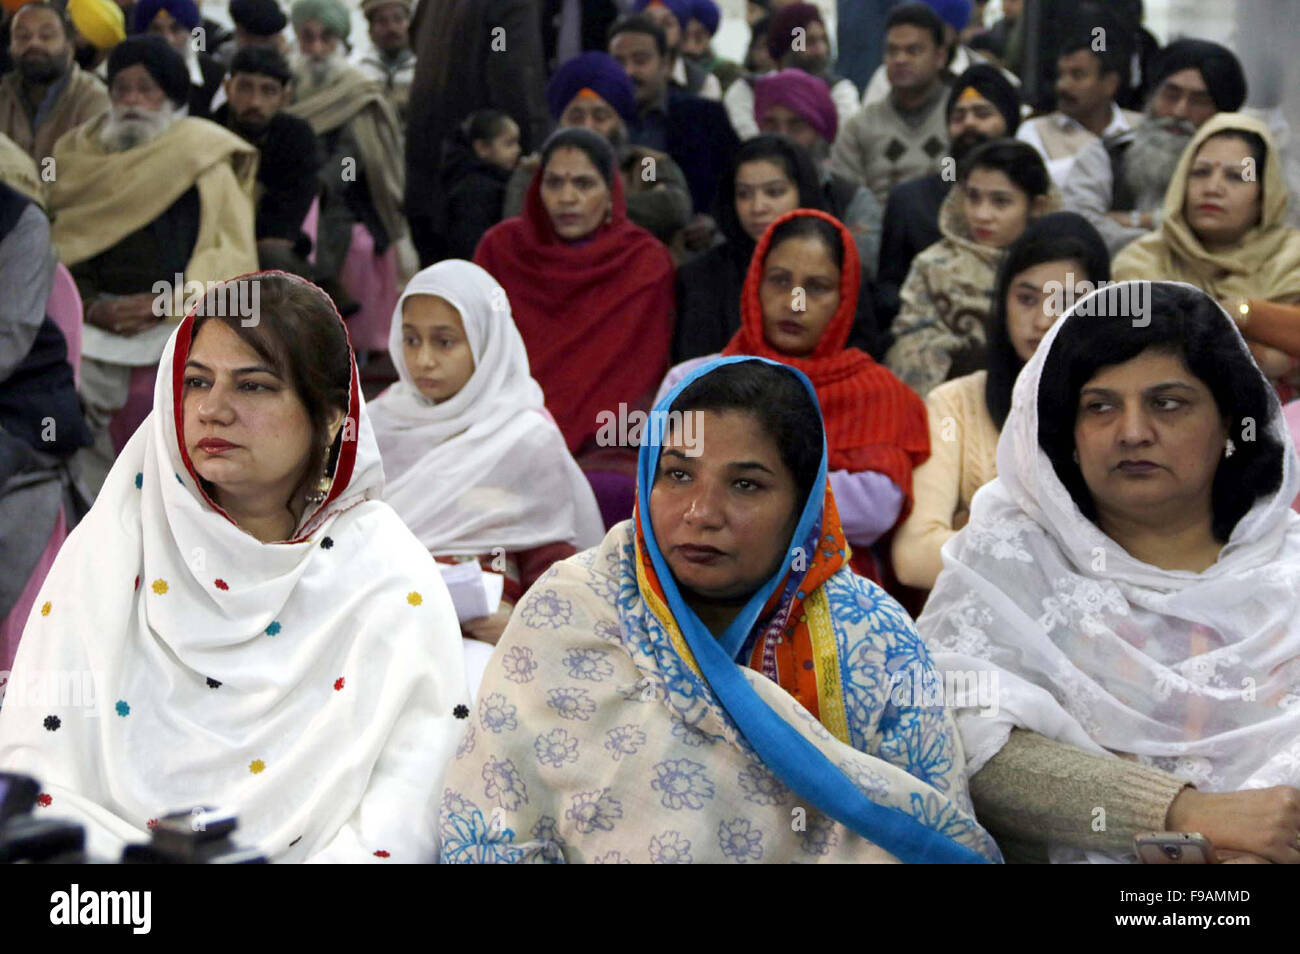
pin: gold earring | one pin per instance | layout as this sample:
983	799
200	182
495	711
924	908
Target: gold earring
322	485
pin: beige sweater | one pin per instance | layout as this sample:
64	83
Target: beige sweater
963	458
1036	793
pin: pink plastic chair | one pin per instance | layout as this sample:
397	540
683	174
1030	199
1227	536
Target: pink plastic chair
1291	414
371	279
64	309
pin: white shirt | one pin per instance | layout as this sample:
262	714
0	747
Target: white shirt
1059	168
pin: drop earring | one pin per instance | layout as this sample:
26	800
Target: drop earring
322	485
1229	448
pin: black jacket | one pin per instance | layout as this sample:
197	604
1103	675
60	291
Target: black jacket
476	193
700	140
291	158
478	77
911	225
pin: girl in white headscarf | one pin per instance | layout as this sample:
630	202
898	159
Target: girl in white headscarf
1131	579
239	621
475	465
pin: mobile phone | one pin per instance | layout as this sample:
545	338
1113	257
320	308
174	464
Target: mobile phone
1174	848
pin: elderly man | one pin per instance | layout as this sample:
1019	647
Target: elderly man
593	91
47	94
1118	183
391	61
180	24
363	175
144	195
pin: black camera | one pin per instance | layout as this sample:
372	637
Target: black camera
200	835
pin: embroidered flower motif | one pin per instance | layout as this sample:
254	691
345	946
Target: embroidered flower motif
327	543
467	740
45	800
381	854
414	598
256	766
740	841
555	748
122	708
160	587
592	665
519	664
611	858
52	722
497	714
760	786
461	711
338	684
571	703
213	684
670	848
624	740
593	810
139	481
221	584
503	784
547	610
872	785
820	836
689	735
45	608
274	628
682	784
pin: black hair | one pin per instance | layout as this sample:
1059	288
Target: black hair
917	15
757	37
1258	151
262	60
810	226
1018	161
596	146
483	124
61	14
640	23
1060	236
1180	321
1112	58
778	400
799	169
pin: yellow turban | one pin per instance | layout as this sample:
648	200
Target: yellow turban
99	21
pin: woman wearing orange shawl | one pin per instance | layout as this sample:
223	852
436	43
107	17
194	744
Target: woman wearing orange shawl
797	307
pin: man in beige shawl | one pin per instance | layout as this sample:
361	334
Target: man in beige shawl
18	171
47	93
364	176
1223	230
144	195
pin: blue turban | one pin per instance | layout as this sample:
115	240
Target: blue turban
955	13
600	73
183	11
681	9
707	12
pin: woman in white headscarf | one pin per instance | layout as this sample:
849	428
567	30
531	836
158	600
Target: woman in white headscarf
239	621
475	464
1131	579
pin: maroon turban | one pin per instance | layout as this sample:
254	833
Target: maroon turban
801	92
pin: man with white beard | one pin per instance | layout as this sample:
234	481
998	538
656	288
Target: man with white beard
146	203
363	176
1118	183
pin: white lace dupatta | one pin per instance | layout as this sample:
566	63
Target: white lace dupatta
316	687
1196	674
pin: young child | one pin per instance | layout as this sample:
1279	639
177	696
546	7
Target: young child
483	154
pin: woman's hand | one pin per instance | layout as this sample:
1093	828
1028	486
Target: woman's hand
488	629
1263	821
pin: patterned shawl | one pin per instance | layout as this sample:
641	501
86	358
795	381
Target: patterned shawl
612	727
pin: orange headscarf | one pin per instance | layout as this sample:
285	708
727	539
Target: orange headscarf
873	420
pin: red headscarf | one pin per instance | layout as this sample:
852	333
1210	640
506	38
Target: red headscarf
873	420
595	317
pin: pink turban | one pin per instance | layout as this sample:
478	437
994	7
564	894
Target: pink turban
801	92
